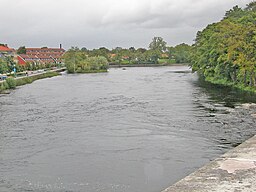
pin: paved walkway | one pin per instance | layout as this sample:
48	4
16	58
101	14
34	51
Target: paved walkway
35	73
234	171
39	72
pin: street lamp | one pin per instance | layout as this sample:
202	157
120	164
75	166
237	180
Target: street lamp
14	70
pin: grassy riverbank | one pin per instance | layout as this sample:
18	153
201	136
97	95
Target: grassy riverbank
226	83
12	83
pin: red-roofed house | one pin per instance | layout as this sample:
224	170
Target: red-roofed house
5	50
21	60
42	55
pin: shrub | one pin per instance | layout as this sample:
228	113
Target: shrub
3	86
11	83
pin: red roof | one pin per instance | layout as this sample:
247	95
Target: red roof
5	48
43	55
21	61
24	56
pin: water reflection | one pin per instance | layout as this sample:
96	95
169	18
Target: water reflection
232	123
230	97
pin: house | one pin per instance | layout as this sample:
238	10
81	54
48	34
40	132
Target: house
5	50
42	55
20	59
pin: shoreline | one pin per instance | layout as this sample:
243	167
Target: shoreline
147	65
47	74
19	81
224	83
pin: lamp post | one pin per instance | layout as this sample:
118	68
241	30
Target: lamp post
14	70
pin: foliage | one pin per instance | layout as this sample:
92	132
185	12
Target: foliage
21	50
3	67
181	53
30	79
156	48
226	50
7	64
77	61
3	86
11	83
157	53
166	61
158	44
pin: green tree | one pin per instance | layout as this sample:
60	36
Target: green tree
22	50
225	51
77	61
156	48
132	49
251	6
158	44
3	66
181	53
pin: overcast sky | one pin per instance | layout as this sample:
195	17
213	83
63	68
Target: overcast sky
108	23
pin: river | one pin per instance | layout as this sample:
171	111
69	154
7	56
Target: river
132	130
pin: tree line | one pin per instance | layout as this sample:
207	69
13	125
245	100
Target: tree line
157	52
77	61
225	52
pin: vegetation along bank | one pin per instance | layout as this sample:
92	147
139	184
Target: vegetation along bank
98	60
12	83
77	61
225	52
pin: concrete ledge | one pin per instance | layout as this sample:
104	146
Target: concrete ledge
233	171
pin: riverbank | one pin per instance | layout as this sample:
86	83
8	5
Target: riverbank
6	86
91	71
233	171
145	65
226	83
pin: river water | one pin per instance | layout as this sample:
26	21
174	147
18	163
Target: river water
133	130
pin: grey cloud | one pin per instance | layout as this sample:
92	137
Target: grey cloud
107	23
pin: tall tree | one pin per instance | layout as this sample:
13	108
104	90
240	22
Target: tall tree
158	44
251	6
156	48
22	50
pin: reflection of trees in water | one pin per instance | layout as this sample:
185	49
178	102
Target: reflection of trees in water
222	107
227	95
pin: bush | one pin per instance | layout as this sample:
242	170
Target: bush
11	83
3	86
77	61
23	81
